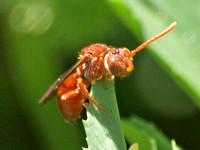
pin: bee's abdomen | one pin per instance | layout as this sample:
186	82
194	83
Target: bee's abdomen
70	99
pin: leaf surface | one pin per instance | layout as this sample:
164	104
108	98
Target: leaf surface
103	130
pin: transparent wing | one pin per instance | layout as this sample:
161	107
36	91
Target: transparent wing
59	81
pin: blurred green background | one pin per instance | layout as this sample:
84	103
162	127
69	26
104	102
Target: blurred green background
40	39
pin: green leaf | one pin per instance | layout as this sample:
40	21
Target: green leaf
178	51
137	130
103	130
174	146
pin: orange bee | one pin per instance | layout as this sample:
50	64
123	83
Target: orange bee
95	61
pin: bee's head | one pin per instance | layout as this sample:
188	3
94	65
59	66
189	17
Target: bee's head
118	62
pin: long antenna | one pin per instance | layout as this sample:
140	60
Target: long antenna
159	35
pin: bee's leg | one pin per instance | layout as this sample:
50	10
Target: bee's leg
85	104
103	69
69	95
99	78
85	92
105	81
101	63
112	79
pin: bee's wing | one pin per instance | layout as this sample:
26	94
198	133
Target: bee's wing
59	81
